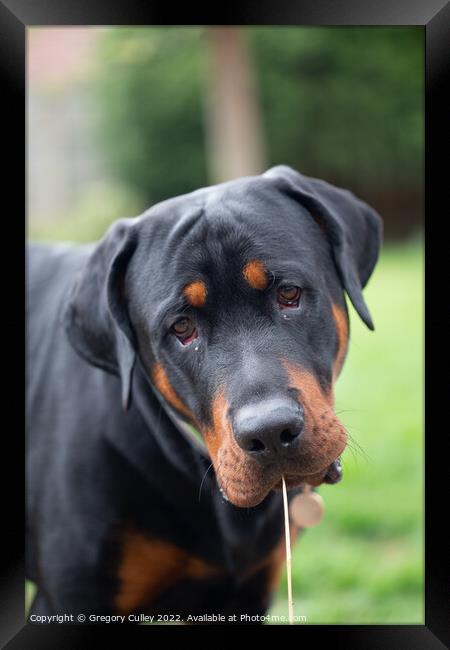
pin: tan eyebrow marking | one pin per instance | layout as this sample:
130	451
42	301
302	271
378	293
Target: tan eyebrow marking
255	274
196	293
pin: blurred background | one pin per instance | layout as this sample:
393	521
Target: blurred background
120	118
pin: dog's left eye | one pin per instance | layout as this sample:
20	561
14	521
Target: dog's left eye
288	296
184	330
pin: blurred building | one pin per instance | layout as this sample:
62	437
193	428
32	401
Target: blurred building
62	158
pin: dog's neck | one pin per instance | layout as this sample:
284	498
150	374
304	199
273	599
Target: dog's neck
178	443
242	528
193	436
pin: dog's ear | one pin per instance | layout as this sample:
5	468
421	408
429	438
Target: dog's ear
353	228
96	318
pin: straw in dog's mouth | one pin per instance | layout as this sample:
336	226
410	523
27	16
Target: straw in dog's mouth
306	510
288	554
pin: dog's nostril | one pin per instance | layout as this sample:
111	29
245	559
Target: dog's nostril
269	429
287	437
256	445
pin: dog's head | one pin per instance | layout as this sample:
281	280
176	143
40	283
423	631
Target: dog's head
233	298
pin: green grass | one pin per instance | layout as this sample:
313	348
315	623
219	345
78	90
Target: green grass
364	563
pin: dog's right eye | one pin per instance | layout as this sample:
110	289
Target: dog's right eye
288	296
184	330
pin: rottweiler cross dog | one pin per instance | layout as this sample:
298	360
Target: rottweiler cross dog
223	312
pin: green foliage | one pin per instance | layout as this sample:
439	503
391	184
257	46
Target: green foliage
150	117
344	103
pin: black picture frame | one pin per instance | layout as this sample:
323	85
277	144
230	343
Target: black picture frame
434	16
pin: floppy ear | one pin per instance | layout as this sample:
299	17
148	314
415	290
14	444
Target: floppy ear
353	228
96	318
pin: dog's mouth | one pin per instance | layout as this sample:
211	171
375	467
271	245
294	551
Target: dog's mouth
332	474
246	477
252	494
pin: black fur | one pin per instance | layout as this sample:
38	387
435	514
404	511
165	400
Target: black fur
99	318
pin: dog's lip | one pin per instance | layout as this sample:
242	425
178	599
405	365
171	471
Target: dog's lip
332	474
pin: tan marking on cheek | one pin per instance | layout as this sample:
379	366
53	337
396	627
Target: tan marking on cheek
196	293
315	398
325	437
220	430
340	319
162	383
148	567
255	274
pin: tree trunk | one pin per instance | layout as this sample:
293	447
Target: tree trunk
235	142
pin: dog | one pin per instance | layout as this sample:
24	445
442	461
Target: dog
220	313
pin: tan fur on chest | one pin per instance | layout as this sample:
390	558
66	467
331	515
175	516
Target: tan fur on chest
148	567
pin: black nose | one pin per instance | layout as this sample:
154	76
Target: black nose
270	429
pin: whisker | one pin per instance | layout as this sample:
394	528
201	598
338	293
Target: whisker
353	451
356	448
359	448
203	480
